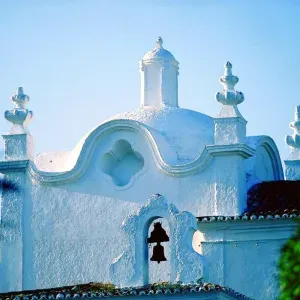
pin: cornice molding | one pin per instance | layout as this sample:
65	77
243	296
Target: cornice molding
247	230
242	150
9	166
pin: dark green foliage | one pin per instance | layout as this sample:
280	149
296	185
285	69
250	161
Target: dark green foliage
290	268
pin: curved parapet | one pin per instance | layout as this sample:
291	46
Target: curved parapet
266	164
85	149
186	263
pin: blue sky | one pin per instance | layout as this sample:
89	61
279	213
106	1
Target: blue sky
78	60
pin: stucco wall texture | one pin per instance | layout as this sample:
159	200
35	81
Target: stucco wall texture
84	215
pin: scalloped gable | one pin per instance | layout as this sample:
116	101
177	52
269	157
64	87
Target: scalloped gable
58	166
177	169
177	144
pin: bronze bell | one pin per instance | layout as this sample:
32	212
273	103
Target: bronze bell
158	235
158	253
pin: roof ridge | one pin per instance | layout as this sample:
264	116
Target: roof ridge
251	217
94	290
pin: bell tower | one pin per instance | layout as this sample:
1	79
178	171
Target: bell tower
185	263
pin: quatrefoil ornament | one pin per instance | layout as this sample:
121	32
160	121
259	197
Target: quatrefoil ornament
121	163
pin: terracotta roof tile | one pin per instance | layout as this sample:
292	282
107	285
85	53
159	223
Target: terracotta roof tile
274	197
99	290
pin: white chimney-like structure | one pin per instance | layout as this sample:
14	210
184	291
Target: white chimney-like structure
159	78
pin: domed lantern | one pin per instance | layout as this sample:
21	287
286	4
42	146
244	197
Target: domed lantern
159	77
158	235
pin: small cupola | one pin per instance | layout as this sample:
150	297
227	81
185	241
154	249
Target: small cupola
159	77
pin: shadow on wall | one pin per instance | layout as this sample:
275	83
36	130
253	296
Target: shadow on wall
7	185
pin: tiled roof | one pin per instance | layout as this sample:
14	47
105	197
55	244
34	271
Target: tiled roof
99	290
268	200
278	197
251	217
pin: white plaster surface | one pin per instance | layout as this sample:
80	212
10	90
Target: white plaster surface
244	255
53	161
265	165
292	169
229	111
12	233
177	144
159	72
186	264
230	130
83	215
159	53
18	146
73	230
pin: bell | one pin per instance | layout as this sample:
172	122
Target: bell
158	235
158	253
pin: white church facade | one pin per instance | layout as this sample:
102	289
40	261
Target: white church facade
158	194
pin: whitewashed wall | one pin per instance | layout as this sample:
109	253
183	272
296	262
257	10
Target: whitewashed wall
244	254
64	225
71	232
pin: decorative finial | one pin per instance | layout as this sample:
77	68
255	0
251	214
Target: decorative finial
159	42
20	99
228	67
294	140
20	115
229	96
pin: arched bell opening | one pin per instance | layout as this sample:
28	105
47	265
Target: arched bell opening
157	252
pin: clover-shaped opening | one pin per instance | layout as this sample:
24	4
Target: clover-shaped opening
121	163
